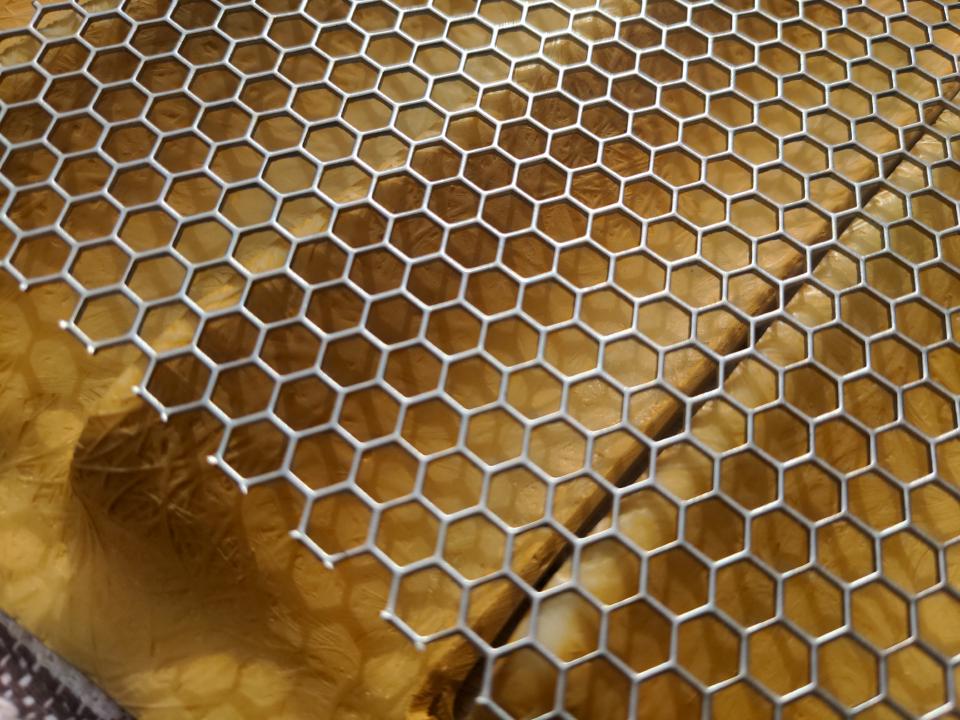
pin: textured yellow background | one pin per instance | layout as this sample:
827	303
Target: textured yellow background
263	631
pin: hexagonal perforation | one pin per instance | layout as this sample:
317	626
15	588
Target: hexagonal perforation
467	274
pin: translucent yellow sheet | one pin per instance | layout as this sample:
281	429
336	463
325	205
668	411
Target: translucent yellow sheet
179	601
126	551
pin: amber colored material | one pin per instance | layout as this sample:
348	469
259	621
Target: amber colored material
906	566
145	565
180	596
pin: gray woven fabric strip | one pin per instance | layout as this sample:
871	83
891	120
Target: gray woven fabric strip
37	684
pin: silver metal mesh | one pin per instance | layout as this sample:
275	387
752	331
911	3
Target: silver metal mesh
622	333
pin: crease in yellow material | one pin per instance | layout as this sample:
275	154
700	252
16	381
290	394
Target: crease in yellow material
178	595
525	683
186	602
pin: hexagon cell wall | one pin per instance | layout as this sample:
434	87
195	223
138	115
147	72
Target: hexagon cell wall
616	338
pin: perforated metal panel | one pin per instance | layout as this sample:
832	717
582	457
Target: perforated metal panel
621	332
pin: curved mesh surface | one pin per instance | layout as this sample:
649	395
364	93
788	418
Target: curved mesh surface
622	334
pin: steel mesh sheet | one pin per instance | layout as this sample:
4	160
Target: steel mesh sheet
622	334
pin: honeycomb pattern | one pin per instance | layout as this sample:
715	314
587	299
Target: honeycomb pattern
471	274
804	568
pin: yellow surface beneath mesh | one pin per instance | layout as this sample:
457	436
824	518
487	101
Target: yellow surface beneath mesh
170	629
